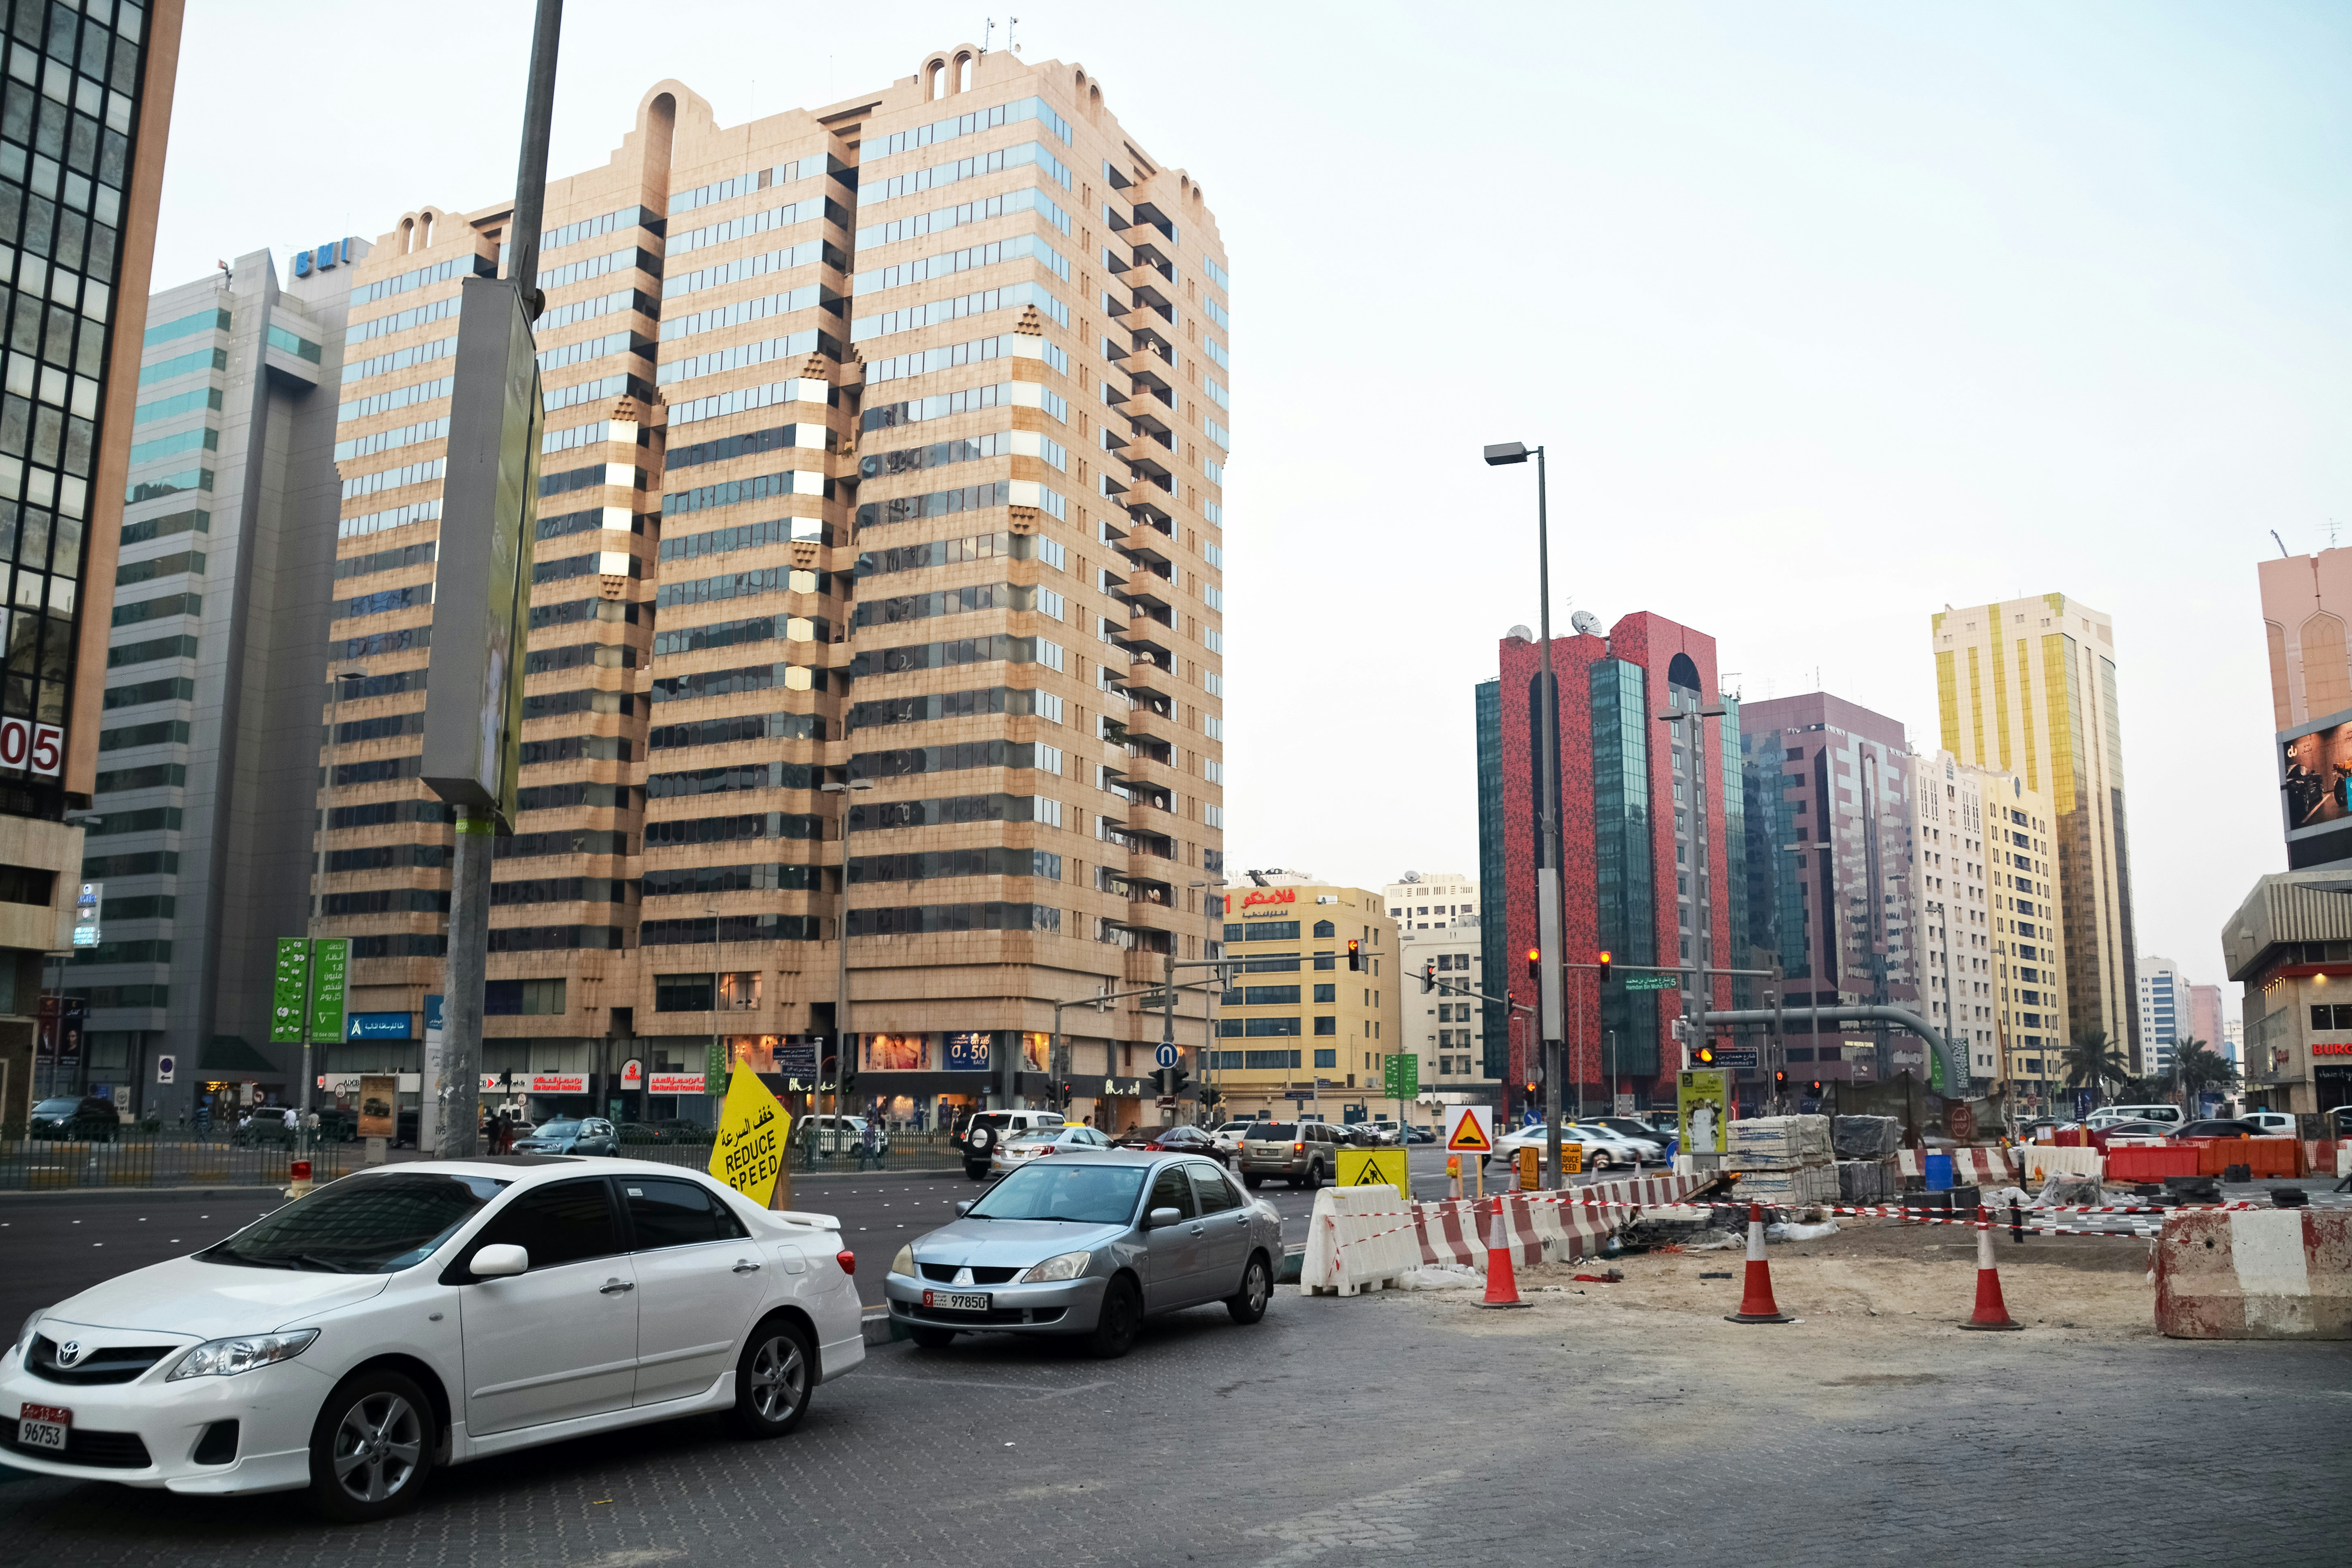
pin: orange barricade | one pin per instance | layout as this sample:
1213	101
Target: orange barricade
2153	1162
2265	1159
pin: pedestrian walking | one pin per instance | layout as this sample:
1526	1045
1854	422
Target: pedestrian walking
865	1149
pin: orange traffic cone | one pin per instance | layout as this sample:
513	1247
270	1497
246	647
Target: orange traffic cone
1756	1303
1992	1312
1502	1282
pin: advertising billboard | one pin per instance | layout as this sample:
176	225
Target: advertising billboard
2317	780
895	1053
473	694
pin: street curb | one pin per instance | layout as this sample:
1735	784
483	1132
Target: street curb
274	1189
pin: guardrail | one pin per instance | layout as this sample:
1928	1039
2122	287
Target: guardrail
906	1151
133	1159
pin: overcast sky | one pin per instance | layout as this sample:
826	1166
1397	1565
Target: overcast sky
1830	315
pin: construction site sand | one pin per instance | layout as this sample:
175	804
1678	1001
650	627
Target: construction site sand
1876	1280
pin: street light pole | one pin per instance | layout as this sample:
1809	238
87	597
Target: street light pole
1209	1002
1695	1022
1549	856
842	787
340	680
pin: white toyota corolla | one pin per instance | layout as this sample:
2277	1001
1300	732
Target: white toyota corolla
431	1314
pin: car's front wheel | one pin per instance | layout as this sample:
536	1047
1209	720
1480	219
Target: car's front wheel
772	1379
1121	1319
1247	1305
1252	1181
932	1339
371	1449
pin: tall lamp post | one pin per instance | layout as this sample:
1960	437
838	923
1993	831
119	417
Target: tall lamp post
1695	1022
1548	855
1209	997
714	1082
841	787
85	820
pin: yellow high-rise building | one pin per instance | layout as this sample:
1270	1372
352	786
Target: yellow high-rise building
1299	1032
2028	687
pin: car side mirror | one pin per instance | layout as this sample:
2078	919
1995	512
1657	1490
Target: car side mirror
1158	1217
500	1260
965	1207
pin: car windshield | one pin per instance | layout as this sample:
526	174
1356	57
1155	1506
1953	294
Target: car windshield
56	1108
560	1129
1050	1189
361	1225
1274	1131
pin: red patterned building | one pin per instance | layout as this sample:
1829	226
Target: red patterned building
1653	840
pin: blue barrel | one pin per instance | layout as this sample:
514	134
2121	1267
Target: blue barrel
1939	1173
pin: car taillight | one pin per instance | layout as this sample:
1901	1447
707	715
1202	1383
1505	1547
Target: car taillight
1046	1149
1298	1148
848	1260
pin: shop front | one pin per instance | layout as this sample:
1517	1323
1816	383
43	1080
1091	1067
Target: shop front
936	1081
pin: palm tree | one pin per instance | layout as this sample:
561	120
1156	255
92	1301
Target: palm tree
2093	1060
2200	1067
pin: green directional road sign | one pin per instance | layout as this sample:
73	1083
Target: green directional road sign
1652	981
330	963
1402	1074
286	998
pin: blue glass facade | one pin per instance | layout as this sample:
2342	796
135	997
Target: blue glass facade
1624	898
1494	917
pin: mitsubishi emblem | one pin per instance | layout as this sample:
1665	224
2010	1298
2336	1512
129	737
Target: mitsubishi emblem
963	1276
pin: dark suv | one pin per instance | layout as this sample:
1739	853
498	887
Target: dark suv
1307	1154
91	1119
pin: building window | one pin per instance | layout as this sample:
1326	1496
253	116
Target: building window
1327	1026
1327	1059
1323	994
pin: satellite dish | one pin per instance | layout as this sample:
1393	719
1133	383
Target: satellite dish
1521	633
1586	623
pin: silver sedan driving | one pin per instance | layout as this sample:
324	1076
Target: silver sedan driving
1088	1244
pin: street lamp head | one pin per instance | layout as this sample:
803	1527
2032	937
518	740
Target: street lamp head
1509	452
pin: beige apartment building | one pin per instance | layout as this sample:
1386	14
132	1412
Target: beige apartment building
2306	601
1998	995
2028	687
1299	1032
878	597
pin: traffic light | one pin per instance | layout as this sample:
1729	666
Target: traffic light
1817	1088
1780	1078
1429	977
1707	1056
1535	962
1067	1095
1355	954
1605	966
1177	1078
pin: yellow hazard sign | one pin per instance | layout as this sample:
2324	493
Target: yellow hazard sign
1375	1168
1530	1168
750	1153
1470	1128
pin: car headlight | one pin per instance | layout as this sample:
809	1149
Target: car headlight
904	1262
1068	1265
226	1358
24	1334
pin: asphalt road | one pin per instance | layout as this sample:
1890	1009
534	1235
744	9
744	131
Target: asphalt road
58	1243
1394	1428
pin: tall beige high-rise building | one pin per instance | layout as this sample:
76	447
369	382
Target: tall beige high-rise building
2028	686
884	470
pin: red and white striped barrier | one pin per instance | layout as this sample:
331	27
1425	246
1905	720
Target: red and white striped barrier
1983	1168
2255	1274
1540	1226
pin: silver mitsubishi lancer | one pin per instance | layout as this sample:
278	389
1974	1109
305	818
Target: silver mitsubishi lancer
1090	1244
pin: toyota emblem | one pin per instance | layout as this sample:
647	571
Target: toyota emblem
70	1352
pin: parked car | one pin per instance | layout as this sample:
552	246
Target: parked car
1633	1132
2219	1128
1604	1150
266	1130
843	1136
1090	1244
1304	1153
91	1118
337	1125
978	1140
2130	1132
2171	1114
1176	1138
326	1346
1370	1134
1027	1146
1421	1135
2273	1124
2336	1124
1229	1136
586	1135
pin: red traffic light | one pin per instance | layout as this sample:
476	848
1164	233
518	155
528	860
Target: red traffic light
1535	959
1707	1056
1355	954
1605	966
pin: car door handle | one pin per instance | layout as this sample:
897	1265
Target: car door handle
616	1287
745	1266
1199	1229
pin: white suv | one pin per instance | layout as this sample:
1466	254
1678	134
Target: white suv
326	1346
984	1133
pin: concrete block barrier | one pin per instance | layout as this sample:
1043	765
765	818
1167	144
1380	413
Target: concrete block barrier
1983	1167
2044	1160
2255	1274
1358	1238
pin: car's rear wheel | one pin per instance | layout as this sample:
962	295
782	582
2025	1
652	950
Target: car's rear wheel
1247	1305
1314	1177
977	1173
772	1380
1252	1181
1121	1319
932	1339
371	1449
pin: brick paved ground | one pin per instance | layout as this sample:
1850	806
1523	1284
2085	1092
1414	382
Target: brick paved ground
1410	1428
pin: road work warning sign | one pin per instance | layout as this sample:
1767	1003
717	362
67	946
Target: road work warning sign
1375	1168
1470	1128
750	1152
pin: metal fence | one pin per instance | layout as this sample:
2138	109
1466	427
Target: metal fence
907	1152
133	1159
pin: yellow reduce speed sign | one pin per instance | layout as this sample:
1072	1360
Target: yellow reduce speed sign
1375	1168
749	1154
